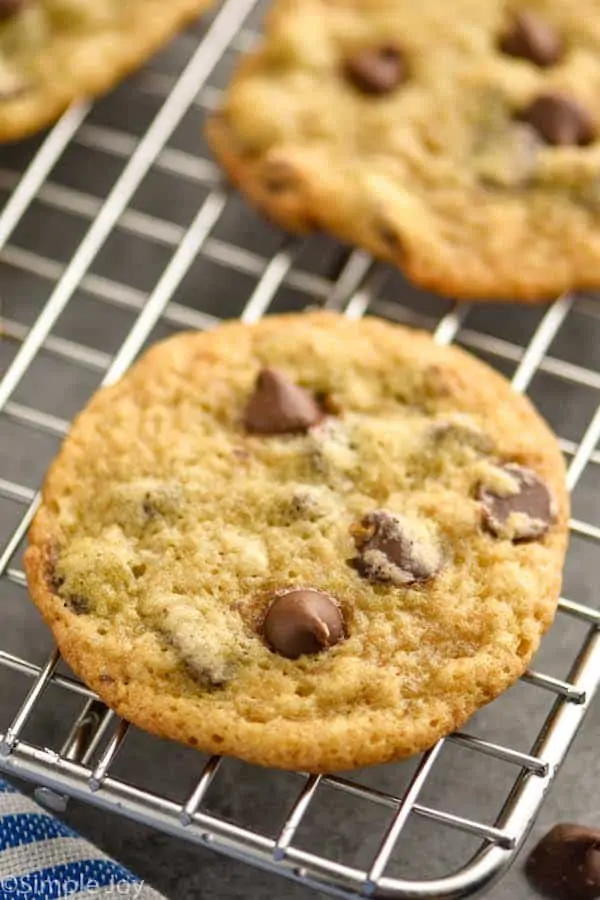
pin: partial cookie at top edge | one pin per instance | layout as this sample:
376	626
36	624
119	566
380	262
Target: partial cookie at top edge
449	176
43	85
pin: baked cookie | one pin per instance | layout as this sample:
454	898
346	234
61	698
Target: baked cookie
460	141
310	543
53	52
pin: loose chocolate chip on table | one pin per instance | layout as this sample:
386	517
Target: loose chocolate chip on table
394	548
559	120
376	71
278	406
530	37
10	7
303	621
524	511
565	865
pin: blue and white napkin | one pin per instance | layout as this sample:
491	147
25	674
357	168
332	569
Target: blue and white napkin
42	859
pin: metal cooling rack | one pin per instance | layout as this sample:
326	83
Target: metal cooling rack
84	765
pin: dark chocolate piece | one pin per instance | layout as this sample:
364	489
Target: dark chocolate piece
278	406
303	621
522	515
530	37
392	549
560	121
376	71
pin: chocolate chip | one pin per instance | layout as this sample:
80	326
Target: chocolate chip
376	71
530	37
565	865
279	176
77	604
520	507
9	8
394	548
303	621
278	406
559	120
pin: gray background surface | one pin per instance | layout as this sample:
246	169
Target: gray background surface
219	283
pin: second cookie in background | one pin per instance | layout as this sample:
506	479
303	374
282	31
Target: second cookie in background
458	141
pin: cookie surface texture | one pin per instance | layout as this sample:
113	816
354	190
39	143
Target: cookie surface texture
321	598
458	141
53	52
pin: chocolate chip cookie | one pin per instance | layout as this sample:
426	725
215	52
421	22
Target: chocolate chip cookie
53	52
310	543
459	141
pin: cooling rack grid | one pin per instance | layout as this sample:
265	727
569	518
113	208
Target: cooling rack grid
116	231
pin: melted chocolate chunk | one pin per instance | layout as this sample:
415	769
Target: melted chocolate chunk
376	71
278	406
560	121
530	37
565	865
392	548
522	512
303	621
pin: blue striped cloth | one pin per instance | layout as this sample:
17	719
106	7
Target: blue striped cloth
43	859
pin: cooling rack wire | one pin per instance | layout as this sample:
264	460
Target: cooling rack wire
83	765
